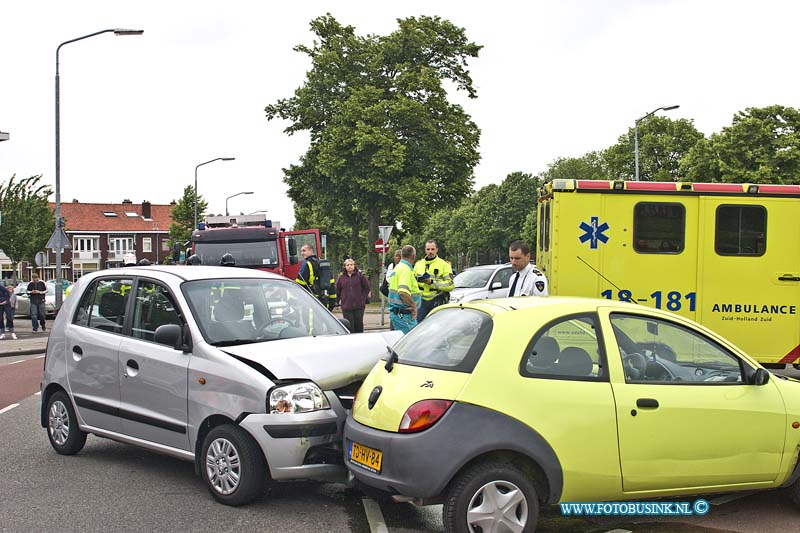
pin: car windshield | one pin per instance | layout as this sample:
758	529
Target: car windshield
242	311
473	278
246	254
450	339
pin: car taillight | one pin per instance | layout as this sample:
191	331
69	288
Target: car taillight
423	415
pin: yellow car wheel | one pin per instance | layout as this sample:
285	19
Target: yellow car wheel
493	497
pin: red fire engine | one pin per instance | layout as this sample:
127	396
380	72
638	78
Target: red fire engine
254	242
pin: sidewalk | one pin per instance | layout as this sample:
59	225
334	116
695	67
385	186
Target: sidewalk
27	342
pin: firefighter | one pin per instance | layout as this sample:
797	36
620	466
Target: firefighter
435	278
307	275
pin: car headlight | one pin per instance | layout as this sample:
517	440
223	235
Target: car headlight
302	397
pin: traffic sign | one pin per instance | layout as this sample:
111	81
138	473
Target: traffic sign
380	247
384	232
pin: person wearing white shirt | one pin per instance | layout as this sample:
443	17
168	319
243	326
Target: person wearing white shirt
526	279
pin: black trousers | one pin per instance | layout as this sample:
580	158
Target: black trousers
356	318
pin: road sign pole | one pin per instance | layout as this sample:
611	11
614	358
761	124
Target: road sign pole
384	232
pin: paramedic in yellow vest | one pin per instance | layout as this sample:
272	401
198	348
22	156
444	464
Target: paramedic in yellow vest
435	278
404	293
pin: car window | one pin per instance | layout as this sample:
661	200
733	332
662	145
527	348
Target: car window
655	350
241	311
154	306
566	349
451	339
103	305
503	275
472	278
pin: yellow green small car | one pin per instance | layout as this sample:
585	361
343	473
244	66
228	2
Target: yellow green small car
496	407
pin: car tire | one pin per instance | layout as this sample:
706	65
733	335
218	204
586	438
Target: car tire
232	465
794	493
469	490
63	432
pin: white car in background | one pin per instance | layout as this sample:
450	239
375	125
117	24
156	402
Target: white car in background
24	302
481	282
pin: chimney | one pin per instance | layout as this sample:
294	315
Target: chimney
126	201
146	210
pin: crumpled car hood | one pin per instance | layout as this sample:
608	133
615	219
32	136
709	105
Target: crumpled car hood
330	362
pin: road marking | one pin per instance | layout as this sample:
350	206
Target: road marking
38	393
374	516
39	357
13	405
15	362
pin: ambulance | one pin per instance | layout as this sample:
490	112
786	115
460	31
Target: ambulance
725	255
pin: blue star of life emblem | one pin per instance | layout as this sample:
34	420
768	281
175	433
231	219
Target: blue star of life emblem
593	232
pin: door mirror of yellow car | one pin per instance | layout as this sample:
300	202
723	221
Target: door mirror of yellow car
761	377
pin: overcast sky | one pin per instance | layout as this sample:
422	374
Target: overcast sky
554	79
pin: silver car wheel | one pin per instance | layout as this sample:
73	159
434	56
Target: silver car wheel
497	506
223	466
58	422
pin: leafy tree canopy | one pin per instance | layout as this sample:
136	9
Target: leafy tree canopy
180	230
386	143
28	220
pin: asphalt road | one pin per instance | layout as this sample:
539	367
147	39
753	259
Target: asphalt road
115	487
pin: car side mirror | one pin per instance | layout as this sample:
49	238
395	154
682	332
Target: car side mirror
761	377
496	285
346	323
169	335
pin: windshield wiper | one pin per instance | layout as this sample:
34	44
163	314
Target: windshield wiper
234	342
393	357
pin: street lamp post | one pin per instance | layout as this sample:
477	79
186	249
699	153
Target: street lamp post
636	133
229	197
195	183
115	31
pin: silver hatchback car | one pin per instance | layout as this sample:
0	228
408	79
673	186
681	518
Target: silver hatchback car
241	371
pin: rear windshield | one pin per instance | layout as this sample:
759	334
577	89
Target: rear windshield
451	339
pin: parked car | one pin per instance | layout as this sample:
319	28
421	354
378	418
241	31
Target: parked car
495	408
481	282
241	371
24	302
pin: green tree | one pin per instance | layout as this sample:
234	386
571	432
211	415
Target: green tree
180	230
663	142
762	145
386	143
28	220
590	166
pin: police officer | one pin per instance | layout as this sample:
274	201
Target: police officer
435	278
404	293
526	279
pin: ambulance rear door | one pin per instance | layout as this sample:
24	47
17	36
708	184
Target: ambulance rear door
750	274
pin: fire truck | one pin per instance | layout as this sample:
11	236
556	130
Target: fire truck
725	255
254	242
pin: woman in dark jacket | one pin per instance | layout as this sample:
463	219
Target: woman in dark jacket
352	291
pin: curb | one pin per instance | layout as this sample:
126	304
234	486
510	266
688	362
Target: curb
28	351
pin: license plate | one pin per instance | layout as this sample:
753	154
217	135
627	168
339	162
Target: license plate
366	457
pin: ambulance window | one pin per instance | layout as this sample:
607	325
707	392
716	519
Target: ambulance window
546	226
741	230
658	227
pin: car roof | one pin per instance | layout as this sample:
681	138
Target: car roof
189	273
571	304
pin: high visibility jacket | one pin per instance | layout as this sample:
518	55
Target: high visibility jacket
440	272
307	275
403	280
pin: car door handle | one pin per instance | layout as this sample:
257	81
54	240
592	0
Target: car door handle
789	277
131	368
646	403
77	353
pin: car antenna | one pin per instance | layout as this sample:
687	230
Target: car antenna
392	359
632	299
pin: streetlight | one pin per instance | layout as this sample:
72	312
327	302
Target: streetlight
636	133
229	197
195	183
115	31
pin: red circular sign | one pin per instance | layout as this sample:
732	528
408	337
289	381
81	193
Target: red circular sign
380	247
